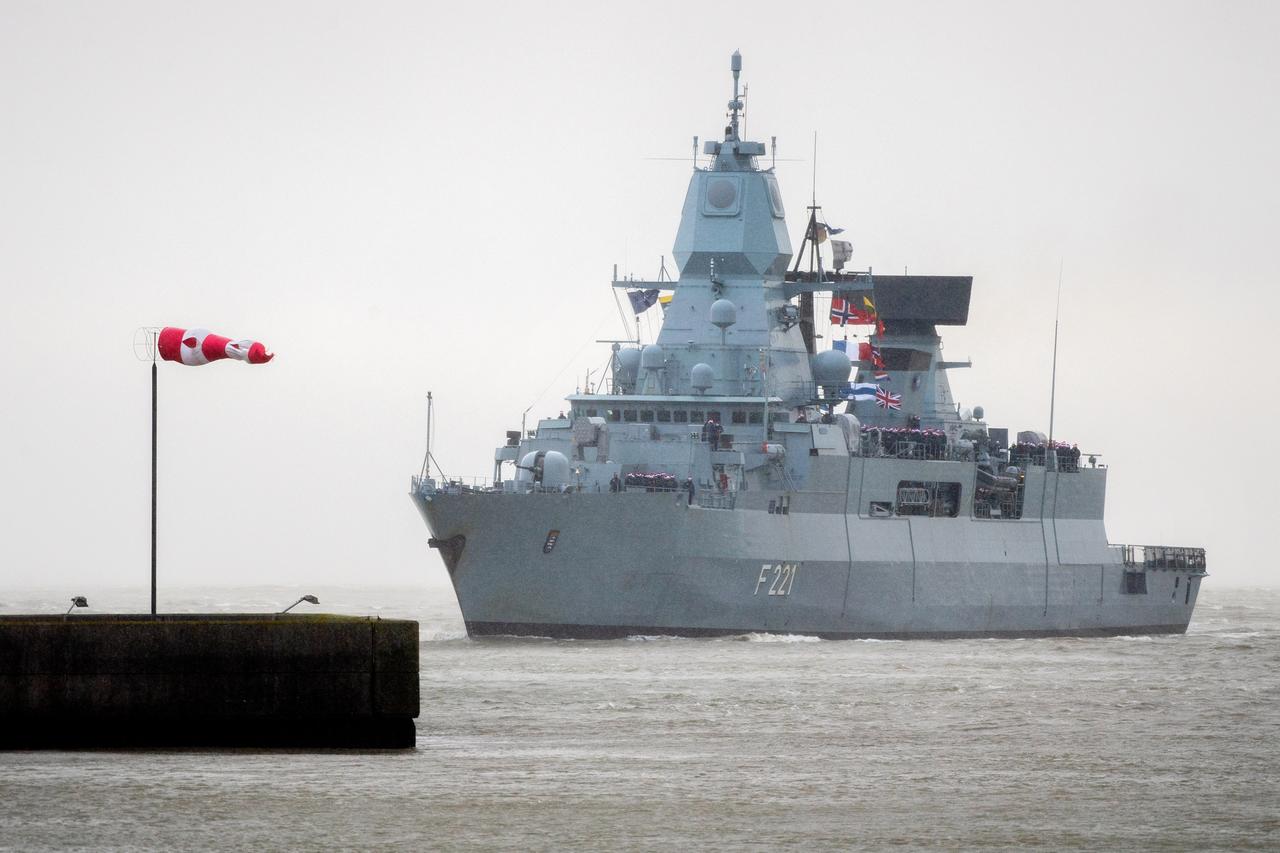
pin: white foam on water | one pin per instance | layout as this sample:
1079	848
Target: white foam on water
780	638
440	635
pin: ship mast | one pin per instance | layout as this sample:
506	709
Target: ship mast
807	321
735	106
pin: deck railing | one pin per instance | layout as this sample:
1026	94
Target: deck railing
452	486
709	499
1163	557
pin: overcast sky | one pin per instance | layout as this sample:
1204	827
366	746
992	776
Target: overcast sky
398	197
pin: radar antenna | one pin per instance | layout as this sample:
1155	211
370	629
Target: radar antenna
735	106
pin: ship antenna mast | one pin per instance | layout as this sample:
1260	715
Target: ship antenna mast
808	329
1053	381
745	87
735	106
814	202
428	459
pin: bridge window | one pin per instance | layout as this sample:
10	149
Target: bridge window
664	416
646	416
755	417
615	415
739	416
681	416
696	416
629	415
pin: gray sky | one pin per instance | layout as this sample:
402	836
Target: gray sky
396	198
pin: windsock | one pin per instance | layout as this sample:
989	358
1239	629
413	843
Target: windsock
200	346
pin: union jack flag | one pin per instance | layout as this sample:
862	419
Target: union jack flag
888	399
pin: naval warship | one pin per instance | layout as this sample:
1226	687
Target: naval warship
734	477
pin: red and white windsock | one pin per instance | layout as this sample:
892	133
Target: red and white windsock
200	346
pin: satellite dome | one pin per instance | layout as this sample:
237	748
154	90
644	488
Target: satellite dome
701	376
652	357
723	313
628	365
978	413
831	367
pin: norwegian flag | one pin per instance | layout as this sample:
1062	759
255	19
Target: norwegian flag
200	346
888	399
867	352
842	312
881	376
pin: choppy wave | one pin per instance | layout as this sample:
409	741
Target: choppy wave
760	741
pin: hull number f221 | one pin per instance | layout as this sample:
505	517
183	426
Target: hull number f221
777	578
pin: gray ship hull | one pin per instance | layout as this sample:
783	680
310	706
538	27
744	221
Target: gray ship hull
649	563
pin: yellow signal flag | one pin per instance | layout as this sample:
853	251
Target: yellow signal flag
866	300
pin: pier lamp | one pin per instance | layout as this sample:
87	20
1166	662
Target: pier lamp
77	601
309	599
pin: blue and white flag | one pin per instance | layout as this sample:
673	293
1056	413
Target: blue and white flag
861	391
642	300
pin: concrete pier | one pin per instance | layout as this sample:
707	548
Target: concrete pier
294	680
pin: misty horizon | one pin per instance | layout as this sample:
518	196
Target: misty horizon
396	200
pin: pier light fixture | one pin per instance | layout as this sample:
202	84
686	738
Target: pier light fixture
309	599
77	601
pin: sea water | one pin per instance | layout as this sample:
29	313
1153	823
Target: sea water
748	743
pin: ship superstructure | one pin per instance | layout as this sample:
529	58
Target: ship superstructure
734	477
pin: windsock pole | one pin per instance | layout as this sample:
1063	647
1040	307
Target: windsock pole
153	478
